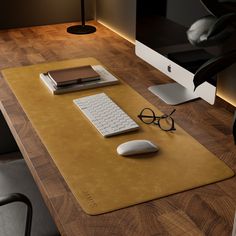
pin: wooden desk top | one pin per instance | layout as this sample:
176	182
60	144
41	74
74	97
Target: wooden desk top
207	210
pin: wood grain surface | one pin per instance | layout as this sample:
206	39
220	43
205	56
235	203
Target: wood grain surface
208	210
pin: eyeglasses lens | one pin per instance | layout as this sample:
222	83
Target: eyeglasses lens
147	116
166	123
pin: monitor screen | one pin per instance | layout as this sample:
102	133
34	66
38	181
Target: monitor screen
161	27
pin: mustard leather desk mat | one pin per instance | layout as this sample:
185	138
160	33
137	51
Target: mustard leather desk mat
99	178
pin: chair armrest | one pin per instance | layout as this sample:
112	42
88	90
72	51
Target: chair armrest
18	197
212	67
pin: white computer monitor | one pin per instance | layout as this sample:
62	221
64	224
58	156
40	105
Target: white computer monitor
161	40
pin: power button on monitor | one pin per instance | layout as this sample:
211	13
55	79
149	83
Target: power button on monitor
169	68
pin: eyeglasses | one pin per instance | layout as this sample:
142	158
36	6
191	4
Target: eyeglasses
165	122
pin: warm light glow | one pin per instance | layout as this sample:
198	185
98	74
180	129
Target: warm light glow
227	98
117	32
226	85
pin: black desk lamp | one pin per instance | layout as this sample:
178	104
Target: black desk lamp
81	29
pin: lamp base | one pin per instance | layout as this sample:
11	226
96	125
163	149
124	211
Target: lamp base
81	29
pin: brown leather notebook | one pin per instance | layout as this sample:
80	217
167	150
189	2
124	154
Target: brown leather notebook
73	75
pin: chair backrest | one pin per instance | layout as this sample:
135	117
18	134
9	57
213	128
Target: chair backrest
18	197
15	177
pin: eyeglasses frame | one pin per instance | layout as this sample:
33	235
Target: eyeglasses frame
156	119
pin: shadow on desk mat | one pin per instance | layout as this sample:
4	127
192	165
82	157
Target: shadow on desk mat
99	178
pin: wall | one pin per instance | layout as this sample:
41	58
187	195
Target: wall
119	15
226	88
226	83
21	13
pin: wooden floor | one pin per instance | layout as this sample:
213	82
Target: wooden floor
207	210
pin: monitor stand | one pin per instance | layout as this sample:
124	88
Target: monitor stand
173	93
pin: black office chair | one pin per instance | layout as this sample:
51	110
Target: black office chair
22	209
215	28
17	197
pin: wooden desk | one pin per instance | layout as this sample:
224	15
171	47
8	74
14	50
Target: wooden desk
207	210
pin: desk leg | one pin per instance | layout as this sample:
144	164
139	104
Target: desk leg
234	127
234	226
7	141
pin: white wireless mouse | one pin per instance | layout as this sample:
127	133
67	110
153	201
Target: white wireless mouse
136	147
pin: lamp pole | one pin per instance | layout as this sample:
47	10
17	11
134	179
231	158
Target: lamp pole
82	13
83	28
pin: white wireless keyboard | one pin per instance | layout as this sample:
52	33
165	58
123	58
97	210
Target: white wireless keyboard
105	115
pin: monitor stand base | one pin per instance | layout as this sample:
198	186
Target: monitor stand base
173	93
